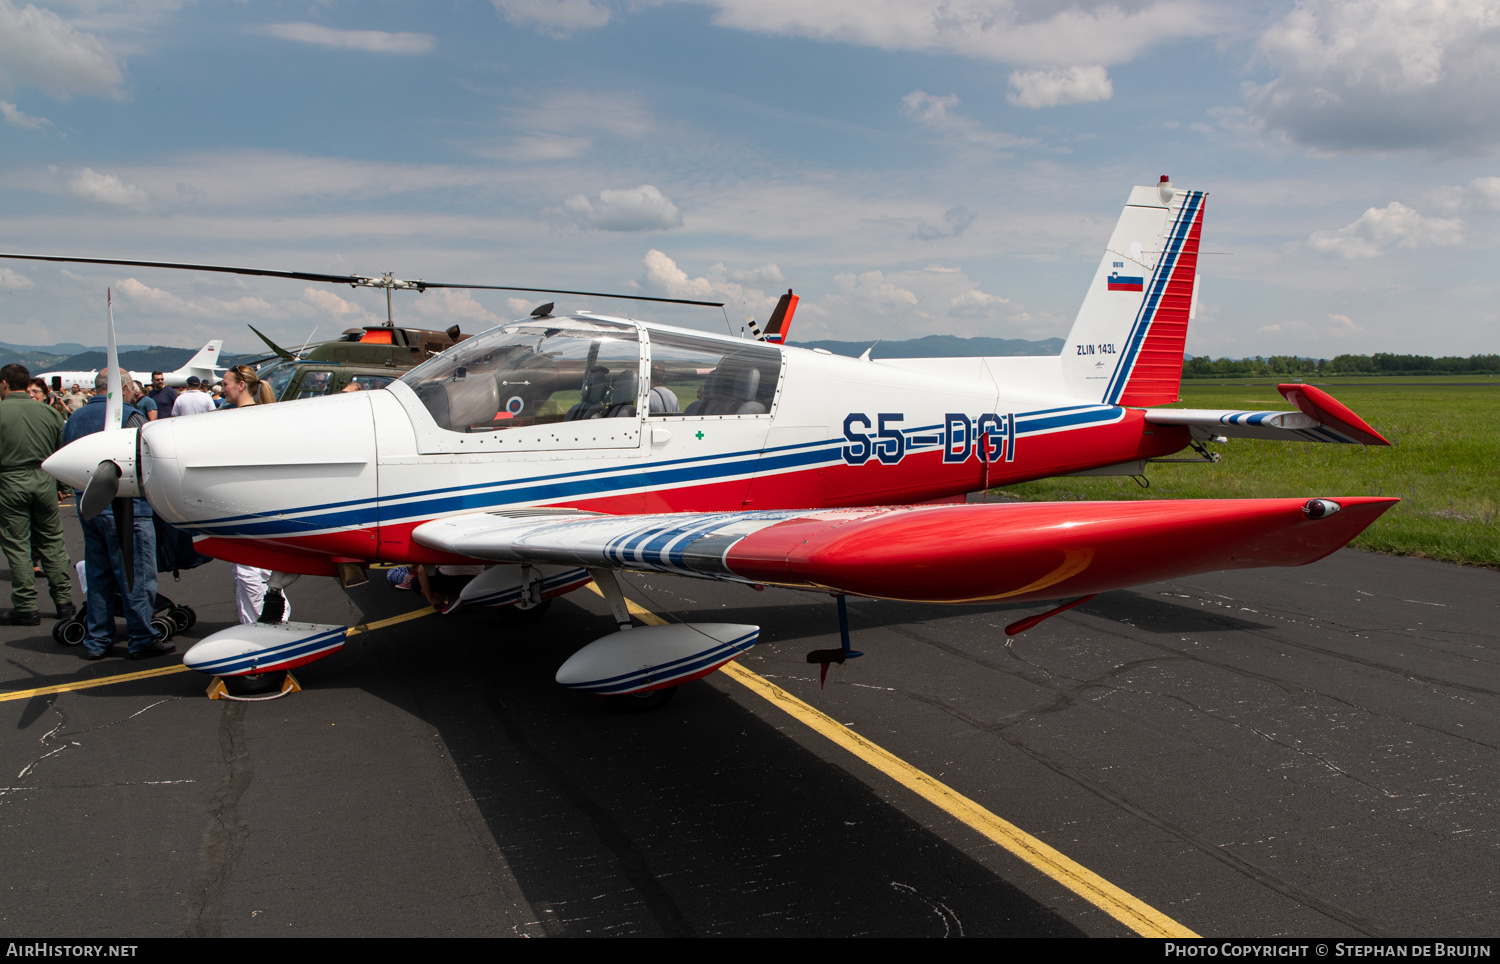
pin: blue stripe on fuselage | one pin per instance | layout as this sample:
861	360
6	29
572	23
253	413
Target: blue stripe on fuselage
558	487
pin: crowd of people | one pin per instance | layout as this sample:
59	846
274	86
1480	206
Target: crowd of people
36	419
159	402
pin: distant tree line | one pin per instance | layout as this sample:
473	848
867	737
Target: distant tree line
1380	363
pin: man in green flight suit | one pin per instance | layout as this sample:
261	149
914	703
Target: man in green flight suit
30	432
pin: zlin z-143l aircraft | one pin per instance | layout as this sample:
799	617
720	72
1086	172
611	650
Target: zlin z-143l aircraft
559	449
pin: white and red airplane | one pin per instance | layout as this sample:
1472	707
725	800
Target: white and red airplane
563	448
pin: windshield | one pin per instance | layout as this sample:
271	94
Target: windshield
532	373
278	375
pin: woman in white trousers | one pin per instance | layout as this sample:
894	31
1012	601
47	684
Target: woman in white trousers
241	389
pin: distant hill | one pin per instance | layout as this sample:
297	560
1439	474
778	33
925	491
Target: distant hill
154	358
941	346
41	358
71	357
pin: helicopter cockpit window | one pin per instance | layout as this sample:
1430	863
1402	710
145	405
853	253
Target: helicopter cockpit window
532	374
703	376
314	384
278	375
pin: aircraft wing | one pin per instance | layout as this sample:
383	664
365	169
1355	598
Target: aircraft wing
1319	418
935	553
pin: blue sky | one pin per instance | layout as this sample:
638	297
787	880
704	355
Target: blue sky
917	168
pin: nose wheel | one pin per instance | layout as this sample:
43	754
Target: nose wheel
253	687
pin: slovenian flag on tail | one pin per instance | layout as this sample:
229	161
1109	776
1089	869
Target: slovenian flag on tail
1117	282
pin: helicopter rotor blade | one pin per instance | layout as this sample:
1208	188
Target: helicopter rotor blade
342	279
349	279
588	294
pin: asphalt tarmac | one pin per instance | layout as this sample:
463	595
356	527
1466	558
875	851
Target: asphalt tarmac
1276	752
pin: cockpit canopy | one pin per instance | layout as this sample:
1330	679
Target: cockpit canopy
548	370
532	374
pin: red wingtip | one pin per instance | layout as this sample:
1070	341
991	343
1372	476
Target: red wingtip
1330	411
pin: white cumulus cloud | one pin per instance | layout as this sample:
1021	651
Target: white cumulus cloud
1486	192
936	299
1053	86
16	117
940	115
872	292
556	18
345	311
664	277
956	221
374	41
90	185
975	304
39	48
1393	226
442	307
641	208
1363	74
165	302
1015	31
14	280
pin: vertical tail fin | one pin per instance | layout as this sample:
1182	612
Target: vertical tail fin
1126	345
207	357
781	318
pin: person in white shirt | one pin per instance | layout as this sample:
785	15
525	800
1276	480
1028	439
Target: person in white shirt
194	401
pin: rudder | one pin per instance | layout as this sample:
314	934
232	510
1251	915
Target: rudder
1126	345
207	357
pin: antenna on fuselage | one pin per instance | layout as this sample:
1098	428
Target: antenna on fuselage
866	355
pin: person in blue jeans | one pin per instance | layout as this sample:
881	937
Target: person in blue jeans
104	568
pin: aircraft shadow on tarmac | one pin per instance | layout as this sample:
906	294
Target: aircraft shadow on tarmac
697	819
1139	610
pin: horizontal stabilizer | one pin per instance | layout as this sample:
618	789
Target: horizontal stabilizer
1321	418
1282	426
936	553
1328	410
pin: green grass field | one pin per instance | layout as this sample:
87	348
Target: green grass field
1444	462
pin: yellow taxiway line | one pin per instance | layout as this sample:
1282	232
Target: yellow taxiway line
180	668
1128	910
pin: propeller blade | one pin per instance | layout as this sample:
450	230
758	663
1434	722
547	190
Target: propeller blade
125	534
114	407
104	484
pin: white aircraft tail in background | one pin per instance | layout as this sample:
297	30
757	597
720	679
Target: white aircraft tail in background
205	365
